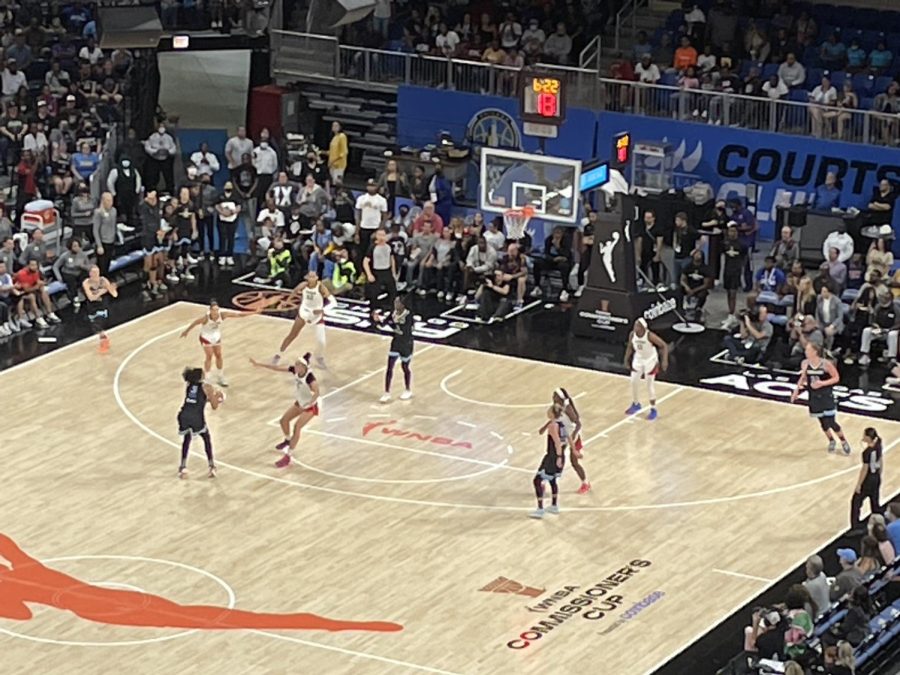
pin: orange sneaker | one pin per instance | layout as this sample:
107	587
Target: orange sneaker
584	489
104	345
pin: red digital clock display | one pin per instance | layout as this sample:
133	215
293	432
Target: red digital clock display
543	99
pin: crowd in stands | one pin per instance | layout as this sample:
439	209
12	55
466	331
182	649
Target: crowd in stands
59	96
834	624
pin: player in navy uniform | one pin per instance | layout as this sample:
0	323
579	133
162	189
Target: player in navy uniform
192	417
868	485
819	375
552	465
401	322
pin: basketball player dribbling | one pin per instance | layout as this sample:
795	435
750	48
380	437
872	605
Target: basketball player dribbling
571	421
97	290
314	298
819	375
401	322
552	465
645	353
302	410
211	337
192	417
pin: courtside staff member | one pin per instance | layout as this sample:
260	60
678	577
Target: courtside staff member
868	485
380	268
371	213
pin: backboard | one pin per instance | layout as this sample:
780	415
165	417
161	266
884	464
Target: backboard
512	179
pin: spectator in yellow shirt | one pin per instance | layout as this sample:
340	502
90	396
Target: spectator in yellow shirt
337	153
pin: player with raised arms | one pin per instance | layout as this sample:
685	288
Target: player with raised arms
302	410
211	337
192	417
645	353
314	298
819	376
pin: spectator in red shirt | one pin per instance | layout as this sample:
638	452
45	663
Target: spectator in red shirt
29	282
428	215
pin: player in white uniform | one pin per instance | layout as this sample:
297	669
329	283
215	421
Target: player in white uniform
302	410
314	298
211	337
644	354
571	422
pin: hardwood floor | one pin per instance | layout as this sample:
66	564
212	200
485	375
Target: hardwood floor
412	512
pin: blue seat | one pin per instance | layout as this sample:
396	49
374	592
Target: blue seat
866	103
849	295
125	260
838	77
777	319
669	79
767	298
881	84
870	39
769	70
798	95
55	287
814	76
863	84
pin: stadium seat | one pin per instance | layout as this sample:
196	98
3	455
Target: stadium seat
769	70
863	84
881	84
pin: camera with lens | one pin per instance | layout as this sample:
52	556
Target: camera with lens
752	313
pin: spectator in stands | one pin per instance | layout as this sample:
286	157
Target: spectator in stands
685	240
828	194
160	149
786	250
8	325
880	257
769	278
887	104
90	52
381	18
235	148
124	183
805	299
228	209
441	193
72	268
879	531
695	20
870	560
558	46
480	261
641	47
747	227
806	28
791	72
646	71
557	257
848	578
852	629
775	88
12	80
493	54
880	59
833	53
57	79
755	335
816	584
31	286
856	57
265	161
371	214
392	183
313	200
801	622
821	98
663	53
446	41
884	324
514	266
283	193
206	162
722	23
338	153
493	297
830	315
756	43
834	270
781	46
26	182
84	164
510	32
245	182
880	210
37	248
428	216
697	281
685	56
706	62
892	516
8	253
19	52
534	33
847	102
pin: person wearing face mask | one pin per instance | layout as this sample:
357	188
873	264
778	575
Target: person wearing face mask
160	148
124	183
265	160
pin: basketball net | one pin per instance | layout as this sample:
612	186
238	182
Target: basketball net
516	220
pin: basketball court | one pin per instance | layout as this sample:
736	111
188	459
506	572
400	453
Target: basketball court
412	512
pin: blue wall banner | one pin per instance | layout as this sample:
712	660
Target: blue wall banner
786	168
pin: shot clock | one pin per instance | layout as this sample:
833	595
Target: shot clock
543	98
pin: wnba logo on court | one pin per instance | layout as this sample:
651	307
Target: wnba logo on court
413	435
504	585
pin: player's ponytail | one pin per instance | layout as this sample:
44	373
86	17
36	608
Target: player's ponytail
306	358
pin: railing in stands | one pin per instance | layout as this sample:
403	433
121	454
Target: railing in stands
626	17
589	58
386	70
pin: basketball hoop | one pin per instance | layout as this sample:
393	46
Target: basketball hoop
516	220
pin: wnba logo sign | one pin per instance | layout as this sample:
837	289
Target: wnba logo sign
412	435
